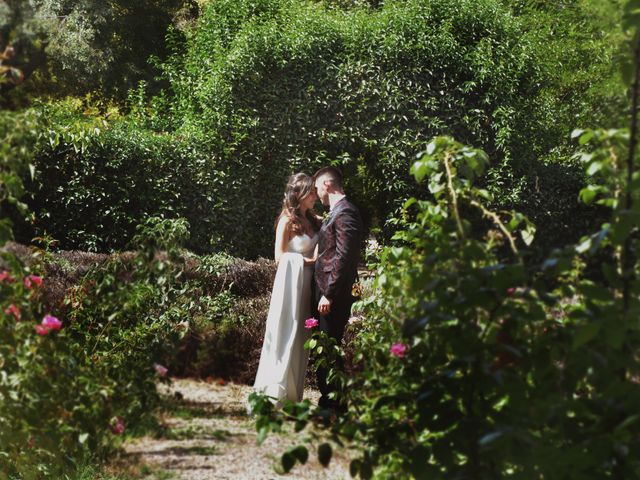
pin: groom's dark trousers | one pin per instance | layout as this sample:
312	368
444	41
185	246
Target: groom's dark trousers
335	271
333	325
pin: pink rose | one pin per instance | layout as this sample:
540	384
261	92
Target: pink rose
41	330
13	310
160	369
51	322
310	323
117	426
5	276
32	280
398	350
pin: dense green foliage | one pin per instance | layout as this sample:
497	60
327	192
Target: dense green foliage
472	366
289	86
64	47
472	359
65	394
261	89
96	181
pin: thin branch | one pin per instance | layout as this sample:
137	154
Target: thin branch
452	193
496	219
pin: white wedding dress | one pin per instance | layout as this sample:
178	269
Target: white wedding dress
283	360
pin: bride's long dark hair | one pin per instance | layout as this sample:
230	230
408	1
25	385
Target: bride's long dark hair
299	186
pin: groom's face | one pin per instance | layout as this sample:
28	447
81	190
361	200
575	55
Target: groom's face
321	190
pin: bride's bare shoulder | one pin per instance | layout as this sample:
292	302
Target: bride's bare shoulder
284	223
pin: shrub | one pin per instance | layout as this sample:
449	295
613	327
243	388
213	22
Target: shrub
367	88
67	394
474	366
266	88
97	181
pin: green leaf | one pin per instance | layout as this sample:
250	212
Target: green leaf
420	169
354	467
594	167
489	438
528	234
585	334
585	137
82	438
262	435
409	202
6	232
288	461
300	453
324	454
587	194
627	422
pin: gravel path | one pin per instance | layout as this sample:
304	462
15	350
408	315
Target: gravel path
209	436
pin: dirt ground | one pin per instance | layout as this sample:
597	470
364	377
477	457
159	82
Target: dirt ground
210	436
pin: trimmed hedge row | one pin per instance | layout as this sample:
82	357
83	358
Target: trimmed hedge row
270	87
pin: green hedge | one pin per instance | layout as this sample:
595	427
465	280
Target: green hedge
289	85
261	89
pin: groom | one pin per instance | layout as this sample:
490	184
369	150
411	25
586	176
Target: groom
337	264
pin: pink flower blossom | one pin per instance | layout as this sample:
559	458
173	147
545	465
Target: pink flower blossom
51	322
13	310
310	323
5	276
117	426
41	330
398	350
160	369
511	291
32	280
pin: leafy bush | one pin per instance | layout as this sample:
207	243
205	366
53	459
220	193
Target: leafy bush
96	181
65	394
266	88
285	85
473	365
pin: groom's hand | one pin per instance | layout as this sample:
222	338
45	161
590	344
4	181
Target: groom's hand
324	306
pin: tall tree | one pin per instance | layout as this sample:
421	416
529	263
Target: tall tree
76	46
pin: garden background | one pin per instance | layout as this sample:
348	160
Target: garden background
490	146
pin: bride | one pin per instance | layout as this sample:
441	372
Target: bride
283	360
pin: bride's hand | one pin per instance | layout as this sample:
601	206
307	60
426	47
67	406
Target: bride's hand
310	260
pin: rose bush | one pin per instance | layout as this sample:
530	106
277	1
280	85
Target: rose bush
71	381
503	370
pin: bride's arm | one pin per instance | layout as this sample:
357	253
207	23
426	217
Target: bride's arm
312	260
282	237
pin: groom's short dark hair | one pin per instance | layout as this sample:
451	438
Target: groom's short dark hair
334	174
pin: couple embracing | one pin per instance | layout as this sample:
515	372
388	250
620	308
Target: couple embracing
317	265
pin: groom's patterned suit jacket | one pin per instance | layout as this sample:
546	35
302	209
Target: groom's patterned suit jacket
339	251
